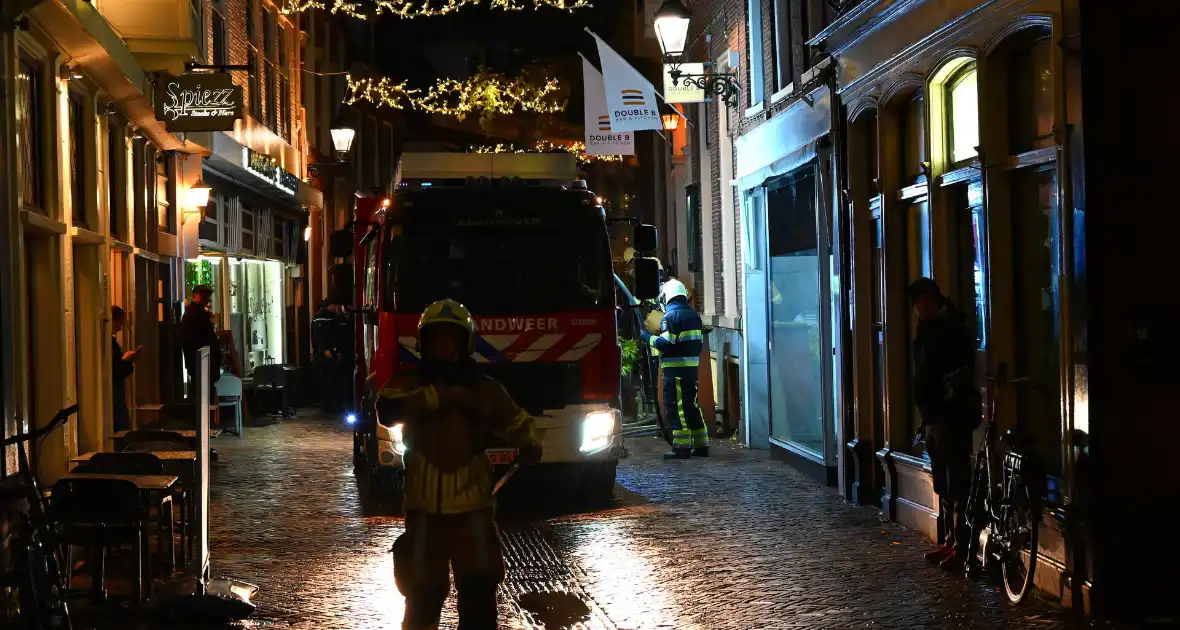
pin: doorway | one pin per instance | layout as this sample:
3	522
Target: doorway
797	386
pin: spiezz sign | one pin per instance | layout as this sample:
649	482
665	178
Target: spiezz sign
198	102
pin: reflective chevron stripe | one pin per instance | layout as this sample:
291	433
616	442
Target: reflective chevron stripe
523	348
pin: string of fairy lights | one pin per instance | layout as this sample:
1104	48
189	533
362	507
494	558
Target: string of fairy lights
484	93
408	9
577	147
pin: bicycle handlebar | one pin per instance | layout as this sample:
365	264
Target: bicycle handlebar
59	419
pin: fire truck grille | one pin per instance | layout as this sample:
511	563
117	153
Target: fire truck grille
539	386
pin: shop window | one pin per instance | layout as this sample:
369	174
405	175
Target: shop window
77	159
963	114
1030	93
1036	293
28	131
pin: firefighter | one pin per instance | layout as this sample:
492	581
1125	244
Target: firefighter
679	343
450	408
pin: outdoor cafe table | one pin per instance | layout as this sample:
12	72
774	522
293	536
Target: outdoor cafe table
183	464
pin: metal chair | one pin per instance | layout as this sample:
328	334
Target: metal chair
142	463
229	394
100	513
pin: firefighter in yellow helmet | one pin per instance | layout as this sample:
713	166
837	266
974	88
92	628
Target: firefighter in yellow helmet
450	408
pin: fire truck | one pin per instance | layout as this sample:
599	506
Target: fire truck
523	244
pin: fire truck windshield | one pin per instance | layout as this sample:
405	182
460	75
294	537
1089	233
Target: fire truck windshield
499	263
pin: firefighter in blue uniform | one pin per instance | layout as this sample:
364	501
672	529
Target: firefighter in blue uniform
679	344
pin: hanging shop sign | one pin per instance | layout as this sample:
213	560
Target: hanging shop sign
198	102
683	91
267	168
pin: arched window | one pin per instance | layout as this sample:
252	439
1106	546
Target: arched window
963	114
914	132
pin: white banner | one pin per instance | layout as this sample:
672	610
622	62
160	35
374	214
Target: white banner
600	138
682	92
630	98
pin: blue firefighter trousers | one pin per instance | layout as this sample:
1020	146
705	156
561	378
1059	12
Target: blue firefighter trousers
682	411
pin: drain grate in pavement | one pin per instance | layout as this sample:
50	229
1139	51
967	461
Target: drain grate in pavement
543	590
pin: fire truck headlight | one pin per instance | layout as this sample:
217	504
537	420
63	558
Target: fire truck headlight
597	430
398	431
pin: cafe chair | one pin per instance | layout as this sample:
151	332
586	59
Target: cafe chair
229	394
135	463
98	514
270	384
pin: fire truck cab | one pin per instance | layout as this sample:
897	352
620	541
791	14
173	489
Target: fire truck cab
524	245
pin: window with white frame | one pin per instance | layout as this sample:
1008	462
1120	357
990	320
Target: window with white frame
963	114
755	77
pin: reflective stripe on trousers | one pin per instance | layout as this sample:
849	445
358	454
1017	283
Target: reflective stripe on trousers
683	412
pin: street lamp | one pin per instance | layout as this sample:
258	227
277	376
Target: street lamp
671	25
342	133
198	195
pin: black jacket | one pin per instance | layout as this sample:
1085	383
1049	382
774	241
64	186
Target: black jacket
196	332
331	332
944	369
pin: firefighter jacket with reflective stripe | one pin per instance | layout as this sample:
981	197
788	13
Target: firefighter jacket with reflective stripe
680	340
447	470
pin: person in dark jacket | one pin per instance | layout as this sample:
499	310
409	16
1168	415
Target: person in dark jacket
332	339
679	343
122	365
949	403
196	332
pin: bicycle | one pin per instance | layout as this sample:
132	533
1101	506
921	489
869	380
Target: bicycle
34	583
1008	507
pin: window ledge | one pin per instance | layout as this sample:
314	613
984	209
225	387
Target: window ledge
756	109
783	93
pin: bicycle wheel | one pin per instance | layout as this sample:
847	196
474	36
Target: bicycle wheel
1019	547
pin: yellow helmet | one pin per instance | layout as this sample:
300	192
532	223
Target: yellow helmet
448	311
628	254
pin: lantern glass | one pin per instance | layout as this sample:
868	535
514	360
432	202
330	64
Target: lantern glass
198	195
671	24
342	138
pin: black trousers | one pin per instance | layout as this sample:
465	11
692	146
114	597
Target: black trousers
949	446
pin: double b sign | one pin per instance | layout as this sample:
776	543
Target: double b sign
198	102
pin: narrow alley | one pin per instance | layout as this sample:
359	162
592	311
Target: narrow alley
739	542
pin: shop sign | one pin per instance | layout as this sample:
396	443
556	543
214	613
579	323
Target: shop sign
198	102
267	168
683	91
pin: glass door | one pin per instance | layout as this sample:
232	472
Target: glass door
797	392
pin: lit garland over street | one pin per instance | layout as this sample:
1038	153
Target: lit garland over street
577	147
407	9
487	94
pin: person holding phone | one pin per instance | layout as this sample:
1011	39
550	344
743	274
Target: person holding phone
122	365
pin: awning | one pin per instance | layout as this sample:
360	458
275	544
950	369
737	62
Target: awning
784	142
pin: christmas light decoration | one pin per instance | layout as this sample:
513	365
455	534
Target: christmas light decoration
486	94
408	9
576	147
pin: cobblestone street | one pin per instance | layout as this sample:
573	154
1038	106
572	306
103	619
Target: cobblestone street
736	542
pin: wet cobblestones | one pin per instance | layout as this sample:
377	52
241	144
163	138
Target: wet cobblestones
735	542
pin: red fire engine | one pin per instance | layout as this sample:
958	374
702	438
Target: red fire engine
523	244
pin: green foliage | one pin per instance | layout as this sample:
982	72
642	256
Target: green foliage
630	353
